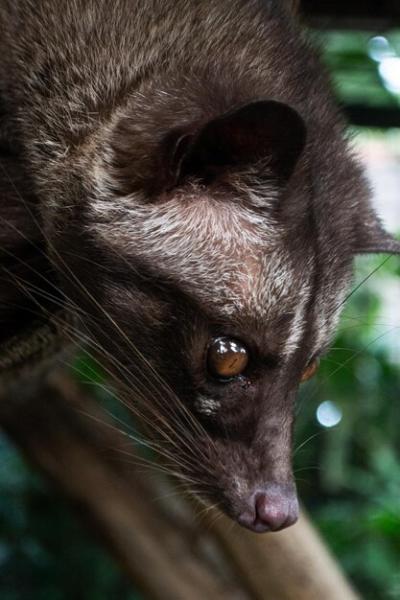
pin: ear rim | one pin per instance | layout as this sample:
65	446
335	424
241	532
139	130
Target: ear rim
374	239
388	245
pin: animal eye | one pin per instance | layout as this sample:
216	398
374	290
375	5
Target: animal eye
310	370
227	358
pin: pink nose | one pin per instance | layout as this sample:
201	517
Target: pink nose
271	508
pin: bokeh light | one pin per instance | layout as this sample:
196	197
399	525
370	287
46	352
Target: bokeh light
328	414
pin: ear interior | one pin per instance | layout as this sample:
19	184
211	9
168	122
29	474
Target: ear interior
265	130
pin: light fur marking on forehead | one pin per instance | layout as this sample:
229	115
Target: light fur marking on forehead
227	255
200	241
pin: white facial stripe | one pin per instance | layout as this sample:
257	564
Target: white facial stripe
296	328
328	312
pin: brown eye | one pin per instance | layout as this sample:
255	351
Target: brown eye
310	370
227	358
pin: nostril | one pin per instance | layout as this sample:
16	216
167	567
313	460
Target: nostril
271	509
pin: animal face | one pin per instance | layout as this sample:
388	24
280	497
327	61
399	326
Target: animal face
201	212
215	269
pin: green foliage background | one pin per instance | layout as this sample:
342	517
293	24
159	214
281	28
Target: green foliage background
354	73
348	475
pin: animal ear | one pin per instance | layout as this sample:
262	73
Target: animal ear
372	238
267	131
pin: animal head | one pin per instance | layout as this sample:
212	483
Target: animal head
201	212
215	259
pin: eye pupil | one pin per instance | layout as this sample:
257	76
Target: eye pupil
227	358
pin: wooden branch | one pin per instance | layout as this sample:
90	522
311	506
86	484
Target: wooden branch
293	564
158	549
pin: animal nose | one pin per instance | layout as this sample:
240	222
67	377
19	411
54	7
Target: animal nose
271	508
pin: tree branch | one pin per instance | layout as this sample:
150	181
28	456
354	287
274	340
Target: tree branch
161	547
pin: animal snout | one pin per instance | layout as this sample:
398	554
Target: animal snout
271	508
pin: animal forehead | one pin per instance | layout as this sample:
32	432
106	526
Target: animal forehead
228	255
274	296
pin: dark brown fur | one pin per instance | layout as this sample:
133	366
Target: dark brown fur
172	172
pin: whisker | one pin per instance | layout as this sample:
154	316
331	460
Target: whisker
26	287
353	291
311	468
311	437
151	423
72	277
351	358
